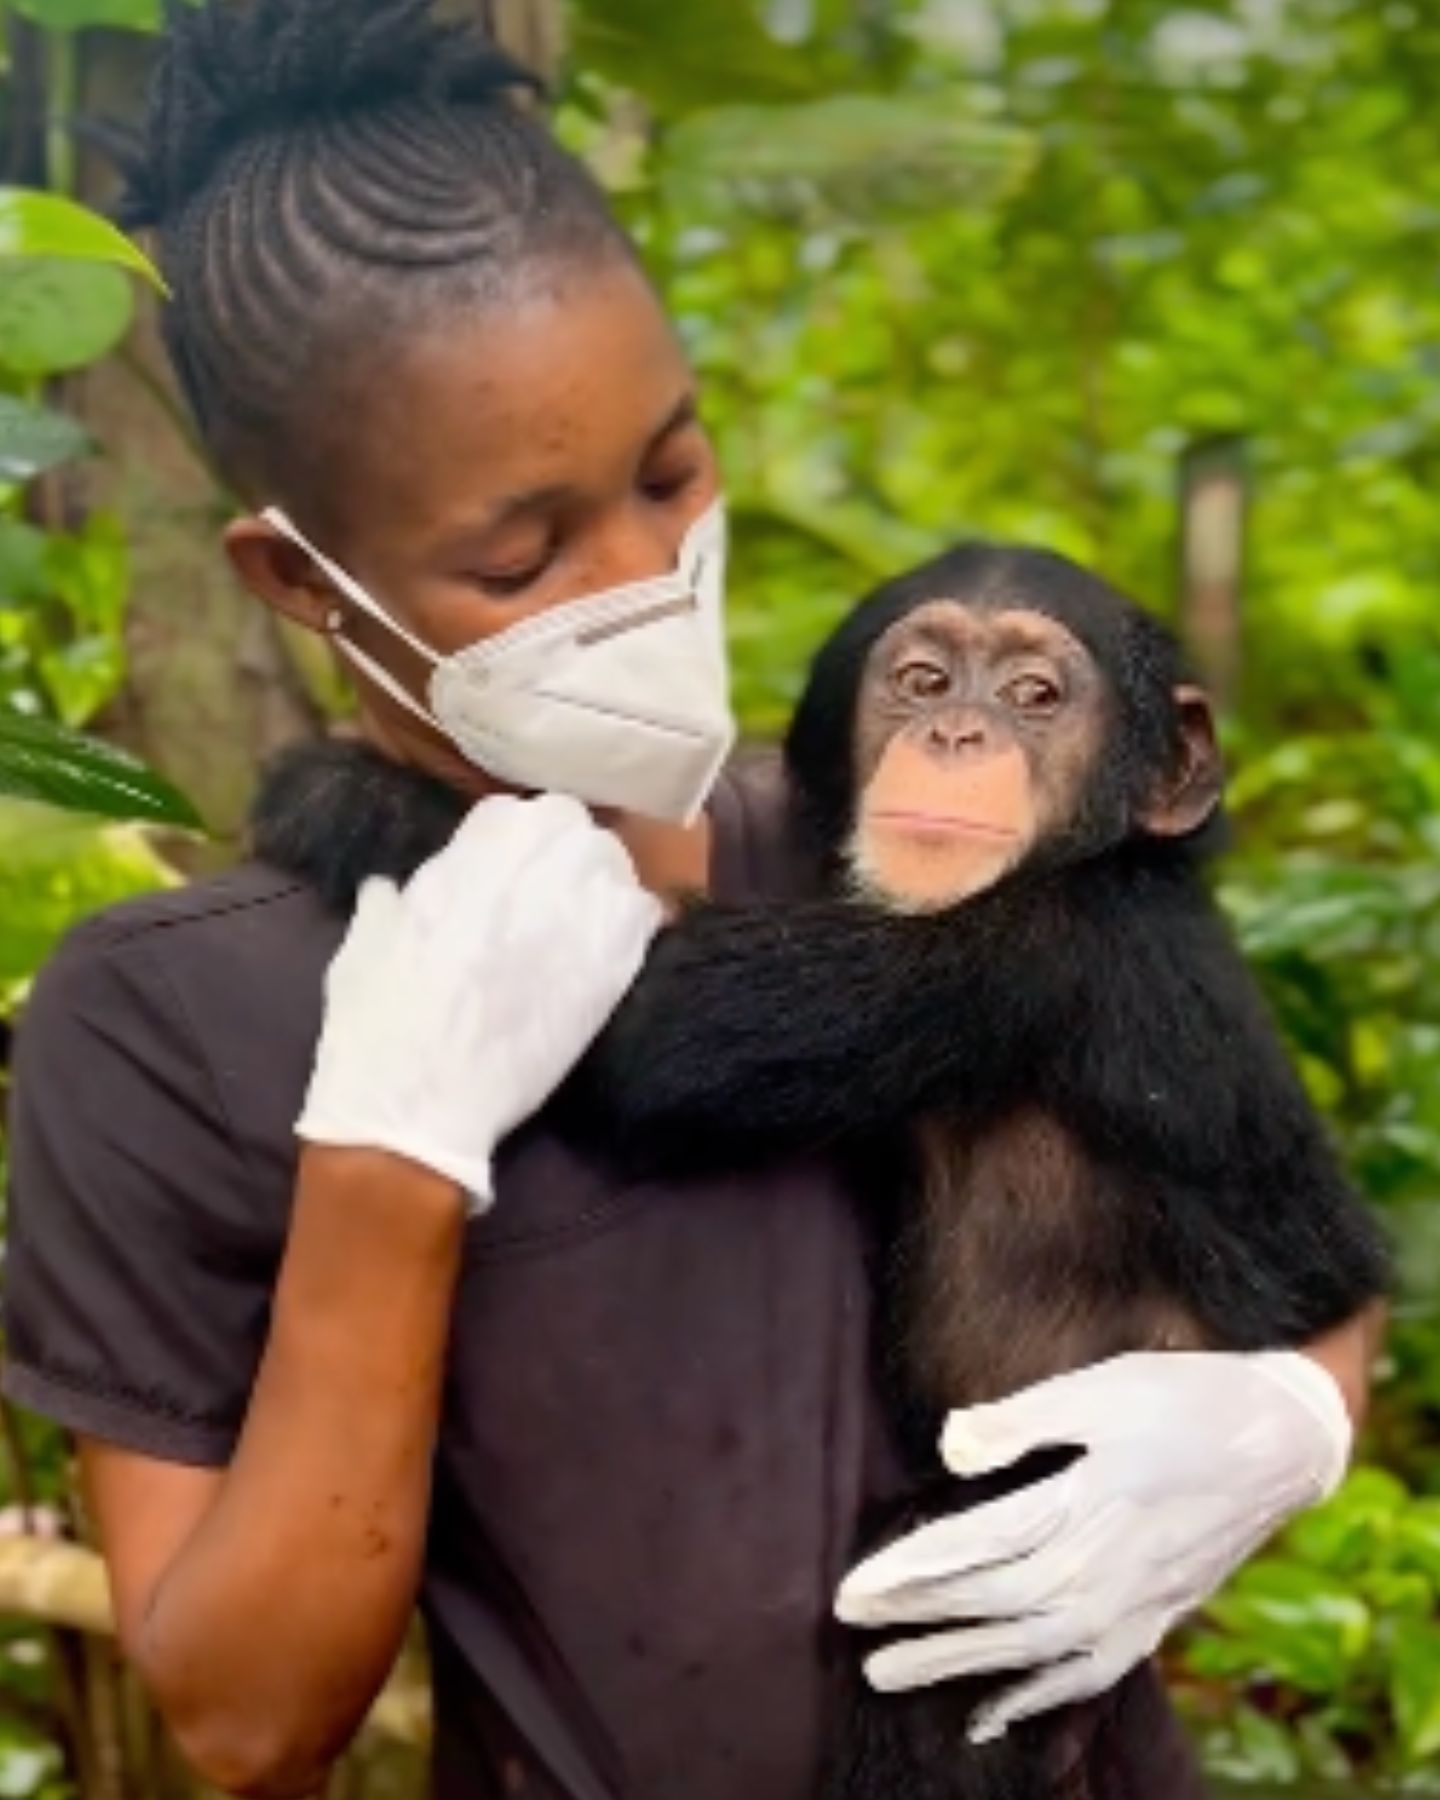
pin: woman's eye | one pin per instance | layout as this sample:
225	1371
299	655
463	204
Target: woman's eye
921	681
505	584
1032	694
668	484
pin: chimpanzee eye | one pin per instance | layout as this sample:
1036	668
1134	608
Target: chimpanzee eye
1032	694
920	681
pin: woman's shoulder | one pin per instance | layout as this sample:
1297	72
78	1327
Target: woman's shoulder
232	927
220	982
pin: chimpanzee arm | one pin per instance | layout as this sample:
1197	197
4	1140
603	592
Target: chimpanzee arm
1180	1083
765	1029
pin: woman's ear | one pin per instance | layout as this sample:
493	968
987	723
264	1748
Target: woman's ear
283	576
1189	797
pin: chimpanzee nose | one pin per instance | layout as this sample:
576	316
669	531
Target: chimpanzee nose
955	733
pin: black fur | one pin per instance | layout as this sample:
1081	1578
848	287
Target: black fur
334	813
1093	1003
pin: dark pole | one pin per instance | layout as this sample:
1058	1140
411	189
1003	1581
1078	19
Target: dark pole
1214	508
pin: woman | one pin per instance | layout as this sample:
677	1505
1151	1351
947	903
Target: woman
616	1441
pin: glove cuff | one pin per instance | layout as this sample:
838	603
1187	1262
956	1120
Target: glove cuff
472	1175
1319	1393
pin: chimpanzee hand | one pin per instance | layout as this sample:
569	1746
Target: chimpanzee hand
1191	1461
458	1004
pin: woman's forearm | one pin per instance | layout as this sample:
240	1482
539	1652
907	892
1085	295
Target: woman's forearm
1348	1354
270	1632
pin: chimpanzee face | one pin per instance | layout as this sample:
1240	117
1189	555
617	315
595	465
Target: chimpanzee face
979	733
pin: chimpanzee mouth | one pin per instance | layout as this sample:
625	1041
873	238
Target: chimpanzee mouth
929	824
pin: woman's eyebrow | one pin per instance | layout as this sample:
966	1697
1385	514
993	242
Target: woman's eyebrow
684	413
554	495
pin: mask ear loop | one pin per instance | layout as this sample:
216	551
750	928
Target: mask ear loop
335	622
347	584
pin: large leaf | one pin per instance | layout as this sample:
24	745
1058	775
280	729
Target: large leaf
1415	1686
34	439
1293	1623
60	316
76	15
864	157
23	551
55	869
48	225
695	54
43	762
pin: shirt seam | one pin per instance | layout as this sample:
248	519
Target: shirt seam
117	1398
118	933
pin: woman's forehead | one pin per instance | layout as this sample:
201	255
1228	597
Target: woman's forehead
561	389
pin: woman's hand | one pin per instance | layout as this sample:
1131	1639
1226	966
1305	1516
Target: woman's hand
1190	1462
457	1006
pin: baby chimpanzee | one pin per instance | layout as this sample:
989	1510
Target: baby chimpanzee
1020	971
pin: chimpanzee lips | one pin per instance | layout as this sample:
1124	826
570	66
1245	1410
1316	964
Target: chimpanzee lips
943	825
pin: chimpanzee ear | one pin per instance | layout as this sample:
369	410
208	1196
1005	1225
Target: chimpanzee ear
1189	797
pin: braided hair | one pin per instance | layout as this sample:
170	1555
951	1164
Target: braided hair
322	175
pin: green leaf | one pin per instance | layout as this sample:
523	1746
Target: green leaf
49	226
864	157
691	55
1417	1537
78	15
57	868
60	316
1300	1626
1343	1534
44	762
34	439
22	562
1415	1685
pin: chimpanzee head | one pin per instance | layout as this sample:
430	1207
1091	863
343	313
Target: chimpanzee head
996	708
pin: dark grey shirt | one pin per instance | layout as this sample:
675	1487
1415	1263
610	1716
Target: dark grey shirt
659	1425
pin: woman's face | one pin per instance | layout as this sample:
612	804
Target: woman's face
493	469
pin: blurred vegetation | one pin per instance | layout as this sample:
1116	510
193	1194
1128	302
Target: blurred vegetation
948	267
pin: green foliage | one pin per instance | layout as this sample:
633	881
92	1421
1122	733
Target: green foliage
43	763
44	227
33	441
1336	1635
57	867
56	317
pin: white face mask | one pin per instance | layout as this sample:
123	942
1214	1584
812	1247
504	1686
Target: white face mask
619	699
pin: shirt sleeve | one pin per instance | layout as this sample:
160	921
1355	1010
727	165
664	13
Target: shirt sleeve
138	1271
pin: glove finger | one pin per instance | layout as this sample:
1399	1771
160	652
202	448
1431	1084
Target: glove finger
978	1439
914	1581
1076	1678
974	1650
1062	1685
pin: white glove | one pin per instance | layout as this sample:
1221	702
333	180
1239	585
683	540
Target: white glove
1191	1461
455	1008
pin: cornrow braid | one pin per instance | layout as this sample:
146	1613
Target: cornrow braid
320	172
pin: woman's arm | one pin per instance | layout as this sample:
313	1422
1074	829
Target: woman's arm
265	1606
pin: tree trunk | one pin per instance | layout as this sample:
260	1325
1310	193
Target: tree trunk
212	690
